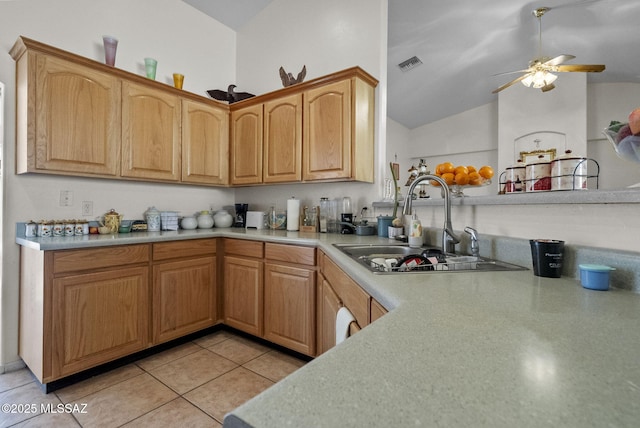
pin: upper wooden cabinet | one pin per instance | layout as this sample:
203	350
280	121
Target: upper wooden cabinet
327	132
339	131
282	151
68	118
76	116
205	143
246	145
321	130
150	133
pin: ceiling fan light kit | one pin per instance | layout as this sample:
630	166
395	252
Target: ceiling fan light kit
539	74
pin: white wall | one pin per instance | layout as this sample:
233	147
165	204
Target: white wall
599	225
325	36
181	38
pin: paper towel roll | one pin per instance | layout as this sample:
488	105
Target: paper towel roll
293	214
343	319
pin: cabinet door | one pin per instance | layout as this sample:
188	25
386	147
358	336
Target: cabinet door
283	140
98	317
150	133
184	297
243	294
327	132
77	123
246	145
289	307
205	143
327	312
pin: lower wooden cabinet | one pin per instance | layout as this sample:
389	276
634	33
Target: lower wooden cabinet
243	293
328	306
337	290
84	307
184	288
98	317
289	301
243	285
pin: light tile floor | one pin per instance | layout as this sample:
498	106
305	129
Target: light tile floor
193	385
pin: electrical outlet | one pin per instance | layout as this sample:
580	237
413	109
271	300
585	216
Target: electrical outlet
87	207
66	198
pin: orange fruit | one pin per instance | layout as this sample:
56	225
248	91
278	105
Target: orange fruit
462	178
460	169
475	178
471	168
448	178
439	169
435	183
447	167
486	172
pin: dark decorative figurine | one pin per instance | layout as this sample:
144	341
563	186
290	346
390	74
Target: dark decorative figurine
229	95
288	79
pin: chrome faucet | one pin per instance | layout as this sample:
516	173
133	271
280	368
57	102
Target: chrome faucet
449	239
475	246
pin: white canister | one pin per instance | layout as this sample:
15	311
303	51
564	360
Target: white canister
153	219
205	220
44	229
222	218
31	229
69	228
538	175
569	172
189	222
515	177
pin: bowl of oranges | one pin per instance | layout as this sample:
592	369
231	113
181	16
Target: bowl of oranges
460	176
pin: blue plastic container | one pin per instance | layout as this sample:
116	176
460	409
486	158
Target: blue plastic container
595	277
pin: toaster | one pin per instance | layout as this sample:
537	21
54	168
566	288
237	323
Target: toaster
255	220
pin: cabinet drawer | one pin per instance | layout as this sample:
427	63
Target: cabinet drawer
242	247
86	259
290	253
188	248
348	291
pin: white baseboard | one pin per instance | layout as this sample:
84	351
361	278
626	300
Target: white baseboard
12	366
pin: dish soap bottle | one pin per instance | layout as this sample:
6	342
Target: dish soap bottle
415	233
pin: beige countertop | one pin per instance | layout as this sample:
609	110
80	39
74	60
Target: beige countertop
456	349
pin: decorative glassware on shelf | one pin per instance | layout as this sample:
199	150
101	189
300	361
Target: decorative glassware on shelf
626	145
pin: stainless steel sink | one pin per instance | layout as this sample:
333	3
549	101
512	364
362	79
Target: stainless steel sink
400	259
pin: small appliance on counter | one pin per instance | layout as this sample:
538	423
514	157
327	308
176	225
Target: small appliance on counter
241	215
255	220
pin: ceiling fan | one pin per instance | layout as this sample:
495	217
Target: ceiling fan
540	75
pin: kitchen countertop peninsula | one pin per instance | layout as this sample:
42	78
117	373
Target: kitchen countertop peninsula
481	349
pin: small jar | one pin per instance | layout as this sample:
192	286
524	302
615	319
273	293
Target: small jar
30	229
81	228
205	220
69	227
153	219
58	228
44	229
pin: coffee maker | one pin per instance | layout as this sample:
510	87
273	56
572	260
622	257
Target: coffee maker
241	215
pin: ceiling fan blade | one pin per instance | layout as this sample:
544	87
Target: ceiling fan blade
588	68
512	72
513	82
559	59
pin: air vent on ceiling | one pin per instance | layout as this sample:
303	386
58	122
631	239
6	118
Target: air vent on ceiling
412	62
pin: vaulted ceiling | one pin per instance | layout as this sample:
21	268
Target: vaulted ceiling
463	44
